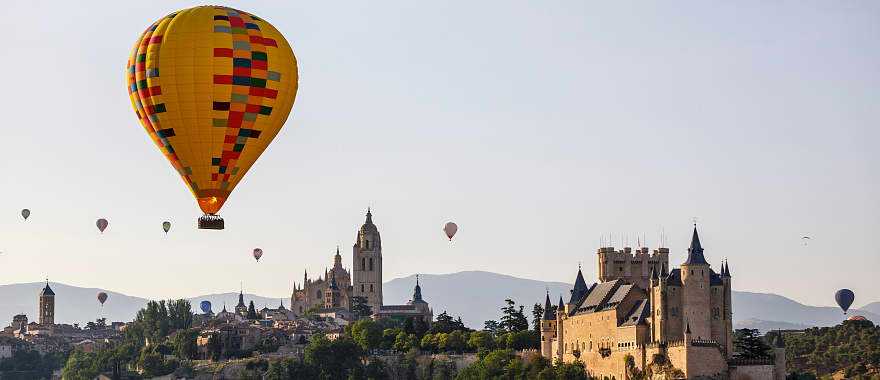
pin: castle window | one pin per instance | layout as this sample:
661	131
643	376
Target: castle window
371	288
363	263
692	272
367	244
362	288
371	263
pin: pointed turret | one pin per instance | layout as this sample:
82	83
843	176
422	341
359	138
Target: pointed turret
47	291
241	299
580	288
695	252
547	306
726	269
561	308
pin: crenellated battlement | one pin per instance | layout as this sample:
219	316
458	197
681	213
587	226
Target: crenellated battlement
631	265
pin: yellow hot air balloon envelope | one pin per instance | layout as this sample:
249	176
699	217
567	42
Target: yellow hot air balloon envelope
212	86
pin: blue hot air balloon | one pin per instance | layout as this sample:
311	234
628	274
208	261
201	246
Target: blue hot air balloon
844	298
205	306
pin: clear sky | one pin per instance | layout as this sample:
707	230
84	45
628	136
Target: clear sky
536	126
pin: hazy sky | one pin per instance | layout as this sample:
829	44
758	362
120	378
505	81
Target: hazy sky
536	126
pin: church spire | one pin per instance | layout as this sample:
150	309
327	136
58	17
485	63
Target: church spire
369	217
695	252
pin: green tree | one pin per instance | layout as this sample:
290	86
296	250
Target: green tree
537	315
492	327
367	333
481	340
513	319
444	323
180	314
80	365
333	359
185	344
360	308
749	344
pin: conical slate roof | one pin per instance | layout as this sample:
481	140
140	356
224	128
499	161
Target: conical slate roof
547	306
695	252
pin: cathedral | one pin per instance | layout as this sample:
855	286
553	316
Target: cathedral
335	289
643	309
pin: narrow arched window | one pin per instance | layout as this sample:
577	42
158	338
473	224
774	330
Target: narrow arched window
362	288
363	263
371	263
371	288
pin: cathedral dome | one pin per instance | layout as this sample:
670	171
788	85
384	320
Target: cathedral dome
368	235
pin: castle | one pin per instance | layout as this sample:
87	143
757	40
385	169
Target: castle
338	287
642	309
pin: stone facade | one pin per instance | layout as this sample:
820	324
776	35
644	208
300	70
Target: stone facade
643	309
47	306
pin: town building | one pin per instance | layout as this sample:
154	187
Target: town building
642	309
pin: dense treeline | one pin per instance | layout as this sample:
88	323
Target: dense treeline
851	348
161	328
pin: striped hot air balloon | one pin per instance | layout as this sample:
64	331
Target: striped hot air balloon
212	86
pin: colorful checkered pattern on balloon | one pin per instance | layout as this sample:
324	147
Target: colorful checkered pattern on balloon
146	92
250	74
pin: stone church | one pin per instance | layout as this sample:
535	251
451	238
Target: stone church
338	285
640	308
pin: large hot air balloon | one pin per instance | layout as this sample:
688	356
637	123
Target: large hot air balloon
212	86
25	213
102	297
205	306
450	229
102	224
166	226
258	253
844	298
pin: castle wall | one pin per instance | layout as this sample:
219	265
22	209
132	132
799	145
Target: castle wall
752	372
588	333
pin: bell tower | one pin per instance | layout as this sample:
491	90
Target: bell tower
367	264
47	306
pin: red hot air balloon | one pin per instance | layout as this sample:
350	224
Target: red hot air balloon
102	224
258	253
450	229
102	297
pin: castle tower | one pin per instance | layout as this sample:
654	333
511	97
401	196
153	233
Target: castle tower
727	312
548	329
560	334
367	264
695	282
47	306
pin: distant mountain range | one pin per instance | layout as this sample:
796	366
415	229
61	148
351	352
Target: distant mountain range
476	296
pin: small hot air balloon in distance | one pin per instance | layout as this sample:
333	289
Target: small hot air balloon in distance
258	253
166	226
102	297
450	229
805	239
205	306
844	298
102	224
211	86
25	213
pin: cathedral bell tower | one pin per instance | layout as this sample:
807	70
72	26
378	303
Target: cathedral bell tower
367	264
